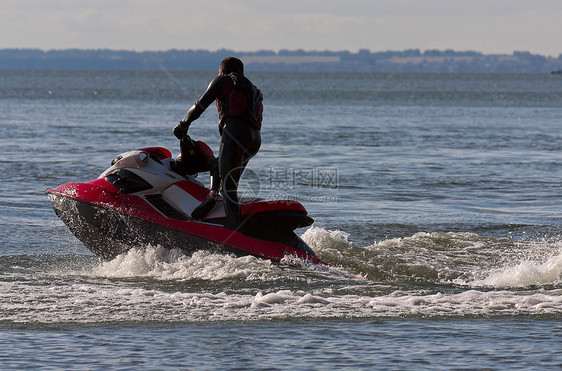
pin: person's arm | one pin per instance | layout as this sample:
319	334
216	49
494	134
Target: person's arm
213	91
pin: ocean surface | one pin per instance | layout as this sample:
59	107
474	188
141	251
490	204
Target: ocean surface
437	201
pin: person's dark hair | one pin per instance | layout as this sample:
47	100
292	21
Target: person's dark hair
232	64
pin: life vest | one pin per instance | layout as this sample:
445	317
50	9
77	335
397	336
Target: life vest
240	99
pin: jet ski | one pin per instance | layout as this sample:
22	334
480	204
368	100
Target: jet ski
148	198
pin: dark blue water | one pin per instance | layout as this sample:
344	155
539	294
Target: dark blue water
311	345
437	201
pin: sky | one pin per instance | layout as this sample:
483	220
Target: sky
487	26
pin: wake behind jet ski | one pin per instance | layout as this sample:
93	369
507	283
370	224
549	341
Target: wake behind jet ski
148	198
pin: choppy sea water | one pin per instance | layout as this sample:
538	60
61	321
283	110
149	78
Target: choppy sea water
437	202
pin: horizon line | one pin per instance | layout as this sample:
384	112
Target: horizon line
362	50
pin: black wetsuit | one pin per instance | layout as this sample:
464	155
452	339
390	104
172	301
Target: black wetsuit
239	103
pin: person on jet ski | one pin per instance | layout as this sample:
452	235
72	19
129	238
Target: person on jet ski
240	108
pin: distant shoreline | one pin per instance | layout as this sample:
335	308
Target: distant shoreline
412	60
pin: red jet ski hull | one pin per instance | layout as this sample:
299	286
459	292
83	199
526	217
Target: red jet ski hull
109	223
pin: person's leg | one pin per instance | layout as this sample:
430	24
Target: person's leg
231	166
239	143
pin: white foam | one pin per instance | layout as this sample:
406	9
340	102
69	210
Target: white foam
95	300
165	264
156	284
320	239
312	299
526	273
272	298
